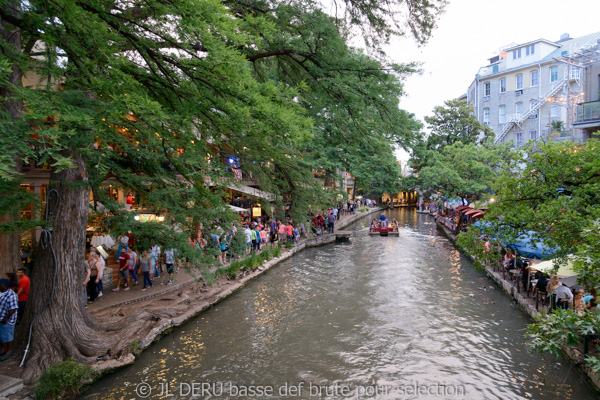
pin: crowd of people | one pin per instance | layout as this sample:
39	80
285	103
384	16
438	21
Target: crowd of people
239	239
547	287
14	291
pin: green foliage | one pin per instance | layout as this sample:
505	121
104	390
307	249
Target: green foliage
557	126
550	332
209	277
237	246
64	380
274	84
249	263
135	347
455	122
364	209
463	170
453	159
551	190
564	328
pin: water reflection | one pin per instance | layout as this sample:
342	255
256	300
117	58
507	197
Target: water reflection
388	314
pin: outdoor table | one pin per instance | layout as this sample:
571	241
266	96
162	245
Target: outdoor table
515	274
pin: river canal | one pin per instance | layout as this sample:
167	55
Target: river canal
377	317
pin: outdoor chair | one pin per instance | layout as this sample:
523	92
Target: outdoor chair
541	296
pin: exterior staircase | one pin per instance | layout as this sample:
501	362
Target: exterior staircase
518	119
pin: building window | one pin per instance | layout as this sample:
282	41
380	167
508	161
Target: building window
519	139
530	50
574	72
553	74
516	54
487	89
533	135
519	81
502	114
554	110
502	85
486	116
534	78
518	110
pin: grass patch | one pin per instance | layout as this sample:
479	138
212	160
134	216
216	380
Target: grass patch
64	380
364	209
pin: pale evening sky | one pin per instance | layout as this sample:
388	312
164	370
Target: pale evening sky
470	32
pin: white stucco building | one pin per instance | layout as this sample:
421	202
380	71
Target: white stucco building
527	86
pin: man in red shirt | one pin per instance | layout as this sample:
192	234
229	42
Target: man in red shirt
289	231
22	292
123	270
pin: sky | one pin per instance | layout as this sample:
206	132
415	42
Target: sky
470	32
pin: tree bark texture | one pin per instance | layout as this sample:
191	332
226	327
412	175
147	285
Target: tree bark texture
63	329
10	243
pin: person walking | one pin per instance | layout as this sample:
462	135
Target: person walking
157	259
100	265
92	277
248	234
170	263
331	220
8	318
22	292
145	267
123	244
133	264
123	274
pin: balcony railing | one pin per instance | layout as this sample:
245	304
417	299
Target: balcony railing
589	111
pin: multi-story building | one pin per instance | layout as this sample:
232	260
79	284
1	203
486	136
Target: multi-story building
529	91
588	113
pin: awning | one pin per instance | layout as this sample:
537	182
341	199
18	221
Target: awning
527	248
472	211
253	192
238	209
461	208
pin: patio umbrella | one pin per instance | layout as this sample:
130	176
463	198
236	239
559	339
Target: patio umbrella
565	269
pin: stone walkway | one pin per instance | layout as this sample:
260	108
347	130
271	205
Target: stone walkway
109	298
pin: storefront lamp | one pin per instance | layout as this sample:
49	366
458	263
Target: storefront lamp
256	211
137	217
160	218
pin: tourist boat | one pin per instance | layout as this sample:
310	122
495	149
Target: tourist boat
383	231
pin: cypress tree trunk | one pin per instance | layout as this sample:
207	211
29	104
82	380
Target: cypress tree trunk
64	328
